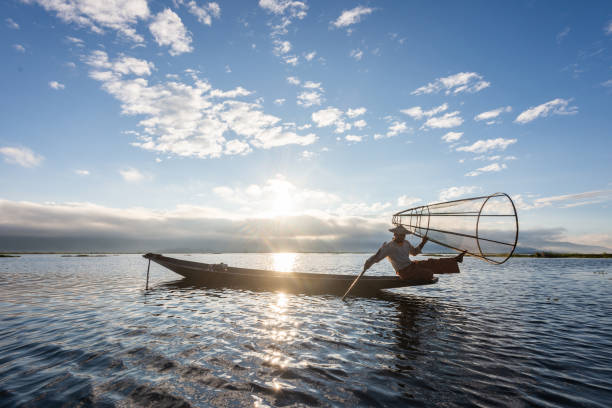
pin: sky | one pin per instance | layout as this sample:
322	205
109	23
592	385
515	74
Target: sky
279	125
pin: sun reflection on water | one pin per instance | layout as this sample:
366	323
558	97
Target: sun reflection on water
280	331
283	261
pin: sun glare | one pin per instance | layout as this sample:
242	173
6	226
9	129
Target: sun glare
283	262
282	204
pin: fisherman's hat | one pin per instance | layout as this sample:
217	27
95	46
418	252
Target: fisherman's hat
399	230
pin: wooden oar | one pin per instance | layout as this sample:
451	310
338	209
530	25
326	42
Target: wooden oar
354	283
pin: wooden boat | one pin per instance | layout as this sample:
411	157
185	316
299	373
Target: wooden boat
220	275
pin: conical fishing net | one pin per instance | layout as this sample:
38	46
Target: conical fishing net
485	227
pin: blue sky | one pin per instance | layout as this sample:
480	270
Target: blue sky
189	119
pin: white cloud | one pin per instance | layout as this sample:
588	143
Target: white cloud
396	37
417	113
237	147
286	11
562	34
489	158
396	128
494	167
11	24
352	16
118	15
448	120
574	200
82	172
452	137
312	85
453	193
131	175
291	60
492	114
19	48
608	28
76	41
356	53
276	137
224	192
204	13
122	65
279	101
206	226
353	138
189	226
56	85
185	119
281	47
277	194
353	113
566	200
555	107
360	124
310	56
327	117
289	7
293	80
457	83
307	155
342	126
21	156
234	93
378	209
309	98
607	84
483	146
406	201
168	29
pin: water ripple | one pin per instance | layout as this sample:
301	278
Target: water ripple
82	332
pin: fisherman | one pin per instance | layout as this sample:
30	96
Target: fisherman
399	250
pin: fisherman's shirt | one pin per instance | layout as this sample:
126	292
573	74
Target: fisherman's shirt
399	255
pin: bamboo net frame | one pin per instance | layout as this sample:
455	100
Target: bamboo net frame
485	227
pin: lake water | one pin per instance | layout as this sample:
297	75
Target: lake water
82	331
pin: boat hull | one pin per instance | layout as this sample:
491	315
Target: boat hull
293	282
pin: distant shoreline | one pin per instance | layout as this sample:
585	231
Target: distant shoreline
542	254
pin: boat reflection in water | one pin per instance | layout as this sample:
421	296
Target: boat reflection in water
316	349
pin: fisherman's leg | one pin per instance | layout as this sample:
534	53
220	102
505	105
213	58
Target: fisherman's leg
441	265
417	271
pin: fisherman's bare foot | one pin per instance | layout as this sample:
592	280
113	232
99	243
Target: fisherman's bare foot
459	258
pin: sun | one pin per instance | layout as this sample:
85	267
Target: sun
283	261
282	204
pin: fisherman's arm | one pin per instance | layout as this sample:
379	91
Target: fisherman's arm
377	257
417	250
